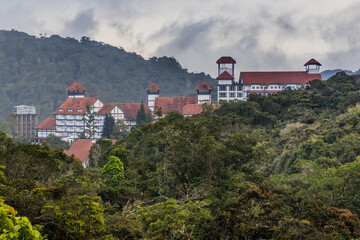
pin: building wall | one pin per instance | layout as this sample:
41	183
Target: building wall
44	133
151	101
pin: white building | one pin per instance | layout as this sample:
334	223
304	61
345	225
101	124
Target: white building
263	83
69	121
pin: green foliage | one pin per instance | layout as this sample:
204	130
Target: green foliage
74	218
12	227
114	168
51	64
89	117
119	130
56	142
109	123
172	220
142	116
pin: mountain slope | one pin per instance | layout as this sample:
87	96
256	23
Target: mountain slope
36	71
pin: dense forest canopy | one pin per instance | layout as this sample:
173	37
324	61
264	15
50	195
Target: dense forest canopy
285	166
36	71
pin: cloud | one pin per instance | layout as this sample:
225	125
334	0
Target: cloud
260	35
84	24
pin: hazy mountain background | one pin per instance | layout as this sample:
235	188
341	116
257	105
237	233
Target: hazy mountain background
329	73
36	71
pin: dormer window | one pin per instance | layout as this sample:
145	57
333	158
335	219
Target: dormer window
79	110
69	110
61	110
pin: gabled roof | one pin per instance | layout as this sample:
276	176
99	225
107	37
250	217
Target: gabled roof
203	86
225	76
192	109
311	62
75	104
131	109
106	108
75	87
282	78
47	124
81	148
172	104
225	60
153	87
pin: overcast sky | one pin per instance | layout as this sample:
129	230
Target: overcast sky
258	34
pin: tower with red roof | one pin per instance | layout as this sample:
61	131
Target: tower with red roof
153	91
203	93
263	83
76	90
227	88
312	66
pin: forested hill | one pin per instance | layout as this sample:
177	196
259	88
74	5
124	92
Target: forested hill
36	71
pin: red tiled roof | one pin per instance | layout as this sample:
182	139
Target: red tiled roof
131	110
225	60
81	148
106	108
203	86
192	109
225	76
75	87
172	104
74	104
263	91
312	61
153	87
48	124
282	78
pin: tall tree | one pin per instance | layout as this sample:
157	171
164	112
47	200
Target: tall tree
141	116
119	130
109	123
89	118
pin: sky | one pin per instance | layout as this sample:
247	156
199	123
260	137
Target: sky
261	35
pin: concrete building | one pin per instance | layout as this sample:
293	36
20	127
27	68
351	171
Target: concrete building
27	119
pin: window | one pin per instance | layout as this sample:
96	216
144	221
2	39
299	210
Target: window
61	110
275	87
239	88
79	110
271	87
232	95
257	87
239	95
222	95
69	110
252	87
232	88
222	88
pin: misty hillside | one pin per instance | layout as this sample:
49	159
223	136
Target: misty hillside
329	73
36	71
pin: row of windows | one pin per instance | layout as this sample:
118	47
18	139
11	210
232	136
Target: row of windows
231	95
274	87
69	110
231	88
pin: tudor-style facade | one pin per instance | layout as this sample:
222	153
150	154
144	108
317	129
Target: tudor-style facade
70	118
263	83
